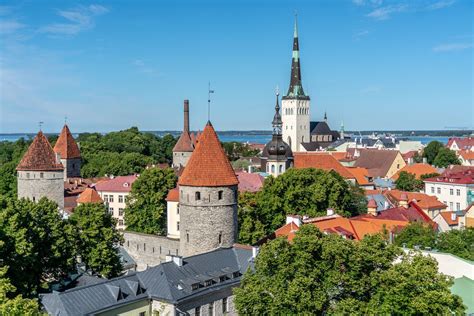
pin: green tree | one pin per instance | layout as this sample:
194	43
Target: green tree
429	175
416	234
408	182
319	274
251	228
97	239
445	158
298	191
16	305
458	242
146	204
37	243
431	151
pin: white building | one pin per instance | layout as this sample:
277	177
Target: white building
172	211
114	192
455	189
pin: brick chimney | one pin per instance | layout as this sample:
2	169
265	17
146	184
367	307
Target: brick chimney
404	200
186	116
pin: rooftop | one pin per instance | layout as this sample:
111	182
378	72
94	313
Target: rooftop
40	156
377	162
249	182
89	195
66	146
322	161
417	169
116	184
425	201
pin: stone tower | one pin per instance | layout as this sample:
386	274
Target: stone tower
68	152
185	146
277	155
207	198
40	173
296	104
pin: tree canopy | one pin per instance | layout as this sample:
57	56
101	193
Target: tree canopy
146	204
431	150
408	182
298	191
416	234
16	305
445	158
97	239
319	273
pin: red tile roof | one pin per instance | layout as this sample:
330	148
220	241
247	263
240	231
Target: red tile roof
322	161
447	217
423	200
462	142
66	146
40	156
208	165
372	204
466	154
117	184
418	169
360	174
411	214
184	144
89	196
249	182
173	195
466	176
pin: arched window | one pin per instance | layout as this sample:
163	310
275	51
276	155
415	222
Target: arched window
273	168
280	169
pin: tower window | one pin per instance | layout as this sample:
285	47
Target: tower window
41	175
220	194
187	237
198	196
28	175
220	238
177	226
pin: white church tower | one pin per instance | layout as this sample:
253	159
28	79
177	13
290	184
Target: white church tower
295	105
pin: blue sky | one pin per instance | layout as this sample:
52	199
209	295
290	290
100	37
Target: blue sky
109	65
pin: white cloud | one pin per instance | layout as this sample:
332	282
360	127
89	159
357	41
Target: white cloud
440	4
358	35
144	67
80	19
10	26
383	13
452	47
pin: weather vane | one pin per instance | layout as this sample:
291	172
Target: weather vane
209	91
40	123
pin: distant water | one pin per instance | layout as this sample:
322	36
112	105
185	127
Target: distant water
242	137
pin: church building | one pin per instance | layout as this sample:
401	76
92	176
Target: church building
298	132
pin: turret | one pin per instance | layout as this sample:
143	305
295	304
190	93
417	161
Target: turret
185	146
68	152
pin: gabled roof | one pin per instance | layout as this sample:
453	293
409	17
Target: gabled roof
466	154
448	219
418	169
173	195
423	200
116	184
39	156
89	196
319	128
462	142
464	176
208	165
250	182
360	174
66	146
322	161
377	162
184	144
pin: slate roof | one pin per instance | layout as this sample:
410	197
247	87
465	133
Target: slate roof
167	282
377	162
319	128
40	156
208	165
66	146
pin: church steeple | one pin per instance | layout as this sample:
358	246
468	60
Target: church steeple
295	91
277	123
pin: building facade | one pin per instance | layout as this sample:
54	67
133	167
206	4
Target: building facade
172	212
114	193
69	154
40	173
207	198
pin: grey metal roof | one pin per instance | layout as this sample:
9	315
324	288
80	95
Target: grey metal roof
126	260
382	202
167	282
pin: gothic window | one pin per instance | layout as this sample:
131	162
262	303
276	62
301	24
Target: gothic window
198	196
280	169
273	168
220	194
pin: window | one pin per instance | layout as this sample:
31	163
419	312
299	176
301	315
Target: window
280	169
142	314
106	198
177	226
111	210
198	196
220	237
273	168
28	175
223	278
211	309
451	206
432	190
220	194
236	274
458	192
439	190
197	311
120	198
208	283
34	199
195	286
451	191
121	224
458	206
187	237
224	305
144	247
41	175
120	211
111	198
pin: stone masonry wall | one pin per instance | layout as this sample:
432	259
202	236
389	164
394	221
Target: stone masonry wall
37	184
181	158
72	168
207	220
149	250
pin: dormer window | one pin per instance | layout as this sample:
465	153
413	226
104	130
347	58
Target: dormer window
126	184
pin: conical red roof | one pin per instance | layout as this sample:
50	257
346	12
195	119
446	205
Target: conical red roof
208	165
89	195
66	146
184	144
40	156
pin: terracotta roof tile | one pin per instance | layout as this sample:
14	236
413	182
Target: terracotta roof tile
66	146
208	165
425	201
466	154
447	217
117	184
173	195
184	144
40	156
418	169
89	196
249	182
322	161
361	175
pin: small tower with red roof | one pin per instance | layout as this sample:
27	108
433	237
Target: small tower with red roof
69	154
40	173
185	146
207	198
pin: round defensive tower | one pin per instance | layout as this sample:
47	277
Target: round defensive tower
207	198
